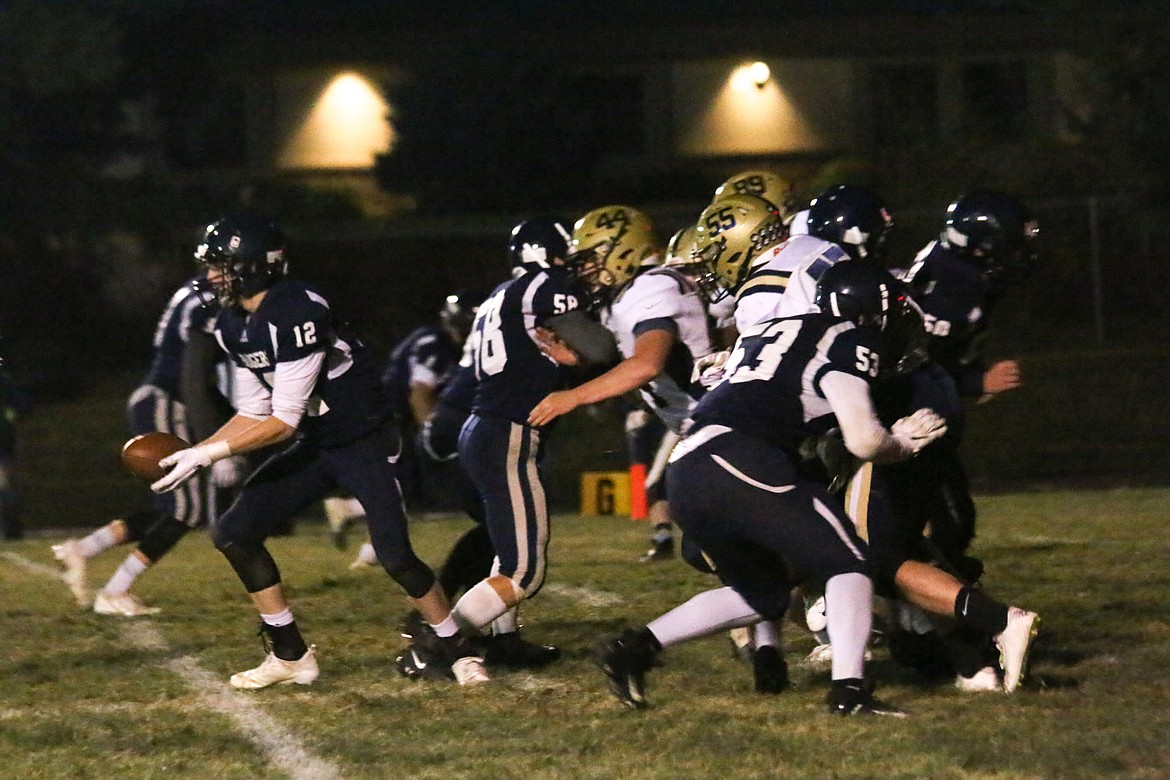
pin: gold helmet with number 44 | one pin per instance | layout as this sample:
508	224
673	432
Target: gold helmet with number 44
608	247
730	234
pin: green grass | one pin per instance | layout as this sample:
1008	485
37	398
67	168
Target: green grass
83	696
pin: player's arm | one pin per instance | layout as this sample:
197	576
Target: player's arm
423	399
864	434
651	350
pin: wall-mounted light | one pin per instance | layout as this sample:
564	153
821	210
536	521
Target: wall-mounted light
759	73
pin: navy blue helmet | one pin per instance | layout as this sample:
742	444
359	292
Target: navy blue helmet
538	242
991	230
248	253
853	217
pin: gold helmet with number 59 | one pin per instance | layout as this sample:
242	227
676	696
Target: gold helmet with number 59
608	247
763	184
730	234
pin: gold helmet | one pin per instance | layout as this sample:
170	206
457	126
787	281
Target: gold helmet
680	249
763	184
608	246
730	234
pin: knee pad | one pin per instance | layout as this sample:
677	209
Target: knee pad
161	537
415	577
139	523
253	565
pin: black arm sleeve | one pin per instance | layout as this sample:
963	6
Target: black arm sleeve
207	409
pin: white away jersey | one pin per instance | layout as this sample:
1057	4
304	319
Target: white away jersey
663	299
783	282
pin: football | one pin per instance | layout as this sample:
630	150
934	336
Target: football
141	454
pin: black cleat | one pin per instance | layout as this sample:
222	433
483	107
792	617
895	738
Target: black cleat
855	697
418	663
625	661
769	670
660	551
514	652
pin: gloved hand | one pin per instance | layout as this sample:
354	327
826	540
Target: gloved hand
184	463
919	429
229	472
708	369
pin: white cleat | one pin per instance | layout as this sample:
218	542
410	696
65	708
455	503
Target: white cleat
1014	642
275	670
822	655
984	680
365	557
123	604
69	554
469	670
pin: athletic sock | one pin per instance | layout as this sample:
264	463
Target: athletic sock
708	612
287	643
849	611
975	609
126	574
100	540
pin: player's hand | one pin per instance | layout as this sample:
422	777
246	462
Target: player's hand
552	407
183	465
1001	377
554	346
708	369
229	472
919	429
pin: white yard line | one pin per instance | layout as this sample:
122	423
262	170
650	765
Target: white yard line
275	741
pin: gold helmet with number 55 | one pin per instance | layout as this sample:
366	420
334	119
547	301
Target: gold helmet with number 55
608	247
763	184
730	234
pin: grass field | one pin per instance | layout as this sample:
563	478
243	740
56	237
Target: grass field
83	696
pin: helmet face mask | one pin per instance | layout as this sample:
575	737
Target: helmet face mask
729	235
243	256
609	246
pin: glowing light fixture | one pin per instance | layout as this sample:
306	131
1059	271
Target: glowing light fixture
760	73
345	128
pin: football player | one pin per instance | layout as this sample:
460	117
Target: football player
787	380
515	368
178	392
305	382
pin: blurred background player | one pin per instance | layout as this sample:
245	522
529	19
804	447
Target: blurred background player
179	388
304	382
14	404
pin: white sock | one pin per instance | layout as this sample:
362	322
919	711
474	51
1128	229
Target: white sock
126	574
507	623
282	618
849	609
710	611
480	605
99	541
766	634
447	628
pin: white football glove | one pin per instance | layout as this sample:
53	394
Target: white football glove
708	369
919	429
184	463
229	472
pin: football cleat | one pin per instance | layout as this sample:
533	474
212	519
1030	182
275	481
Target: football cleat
124	604
855	697
662	550
986	679
821	655
469	670
365	557
769	670
625	661
69	554
742	644
514	652
418	664
276	670
1014	642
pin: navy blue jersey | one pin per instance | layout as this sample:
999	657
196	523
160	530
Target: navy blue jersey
772	389
427	356
956	300
186	313
292	322
513	374
459	392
